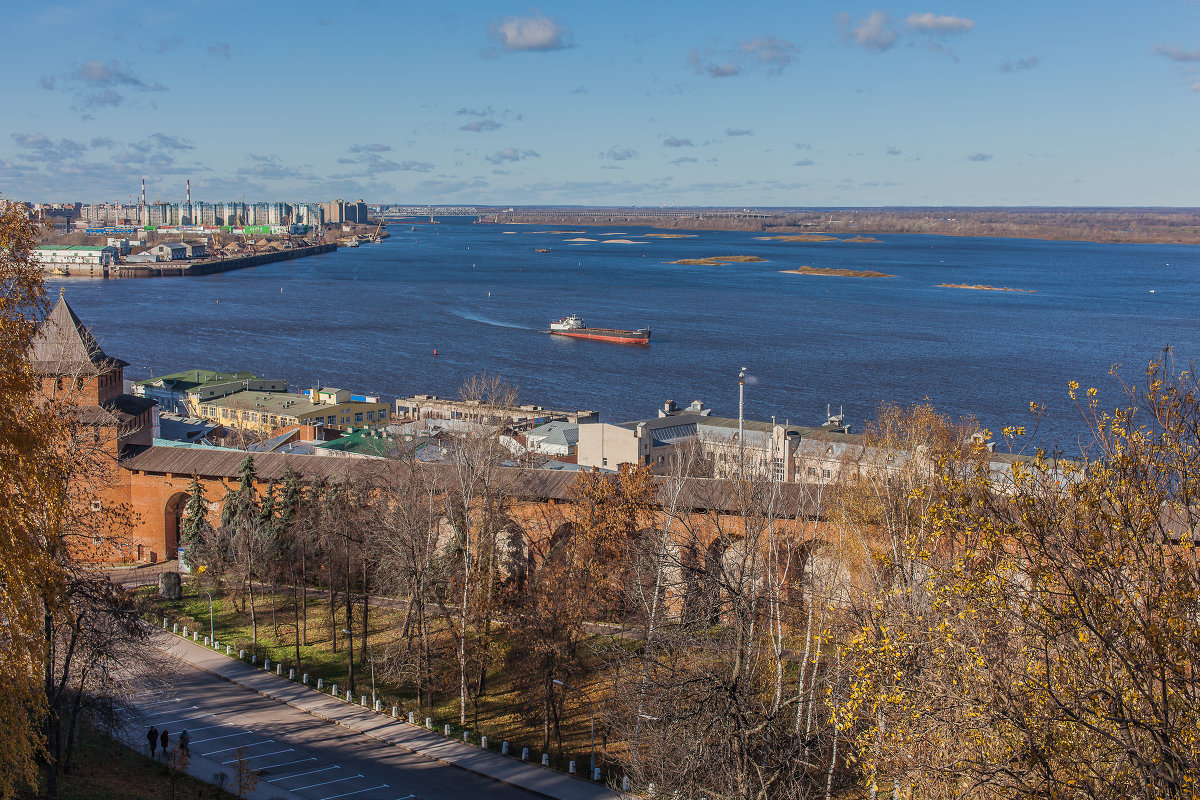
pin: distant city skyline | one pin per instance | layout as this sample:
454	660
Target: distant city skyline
768	104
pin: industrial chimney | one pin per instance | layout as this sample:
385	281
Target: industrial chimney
189	191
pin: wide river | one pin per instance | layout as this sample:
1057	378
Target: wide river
370	318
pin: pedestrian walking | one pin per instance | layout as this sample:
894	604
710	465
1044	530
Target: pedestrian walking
164	742
152	738
184	742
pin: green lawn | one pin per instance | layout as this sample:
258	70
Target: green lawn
500	717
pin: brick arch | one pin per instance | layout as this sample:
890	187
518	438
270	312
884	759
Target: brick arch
173	521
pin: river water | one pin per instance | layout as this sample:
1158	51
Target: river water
370	318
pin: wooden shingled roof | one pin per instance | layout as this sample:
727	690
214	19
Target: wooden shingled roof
693	494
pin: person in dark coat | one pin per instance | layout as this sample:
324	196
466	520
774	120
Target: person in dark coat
152	738
185	742
164	742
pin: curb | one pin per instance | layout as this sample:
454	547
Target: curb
613	792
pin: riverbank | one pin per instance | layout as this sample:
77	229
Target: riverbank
1101	226
161	269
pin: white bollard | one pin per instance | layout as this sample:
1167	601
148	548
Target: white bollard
228	650
164	623
429	723
395	712
524	753
321	684
291	674
206	641
304	680
254	659
195	636
267	664
446	731
185	631
571	767
349	696
175	627
279	671
504	748
596	774
334	691
545	759
364	701
378	706
241	655
412	718
483	742
466	736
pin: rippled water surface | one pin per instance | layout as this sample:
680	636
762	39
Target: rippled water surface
370	318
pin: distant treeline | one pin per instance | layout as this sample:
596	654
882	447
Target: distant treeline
1166	225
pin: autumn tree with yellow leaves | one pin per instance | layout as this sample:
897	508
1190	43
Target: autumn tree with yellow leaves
31	503
1047	642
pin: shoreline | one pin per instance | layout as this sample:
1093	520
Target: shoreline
761	229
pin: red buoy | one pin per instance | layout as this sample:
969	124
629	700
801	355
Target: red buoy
435	351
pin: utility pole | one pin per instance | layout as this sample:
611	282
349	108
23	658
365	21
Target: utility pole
741	422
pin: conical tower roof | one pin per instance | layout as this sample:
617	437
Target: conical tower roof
64	346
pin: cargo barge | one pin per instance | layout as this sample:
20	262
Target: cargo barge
573	326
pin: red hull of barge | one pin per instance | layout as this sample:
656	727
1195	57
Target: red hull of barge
620	337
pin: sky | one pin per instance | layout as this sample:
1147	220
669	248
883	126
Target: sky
753	104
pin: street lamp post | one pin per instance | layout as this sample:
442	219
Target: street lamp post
211	637
371	658
592	726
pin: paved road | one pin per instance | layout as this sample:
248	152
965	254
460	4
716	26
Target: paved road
319	748
295	752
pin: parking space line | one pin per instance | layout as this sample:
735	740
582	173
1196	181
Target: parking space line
302	774
264	755
324	783
226	736
285	763
239	747
358	791
172	711
205	728
160	702
182	719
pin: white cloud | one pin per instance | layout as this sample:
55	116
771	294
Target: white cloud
672	141
1020	64
738	132
1177	54
876	32
804	162
766	52
511	154
935	23
534	33
619	153
979	157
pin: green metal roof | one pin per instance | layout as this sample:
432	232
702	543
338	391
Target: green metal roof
360	442
195	378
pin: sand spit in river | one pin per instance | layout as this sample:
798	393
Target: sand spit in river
837	273
799	237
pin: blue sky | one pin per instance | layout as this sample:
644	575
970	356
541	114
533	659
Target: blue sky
960	102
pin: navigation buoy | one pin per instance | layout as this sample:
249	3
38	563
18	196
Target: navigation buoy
435	351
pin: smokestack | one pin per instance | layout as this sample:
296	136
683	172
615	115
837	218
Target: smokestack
143	191
189	191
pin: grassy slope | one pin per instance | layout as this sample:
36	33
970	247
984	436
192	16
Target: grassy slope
500	716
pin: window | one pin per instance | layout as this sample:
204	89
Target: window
780	474
812	472
358	417
370	416
825	473
605	462
331	419
382	414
